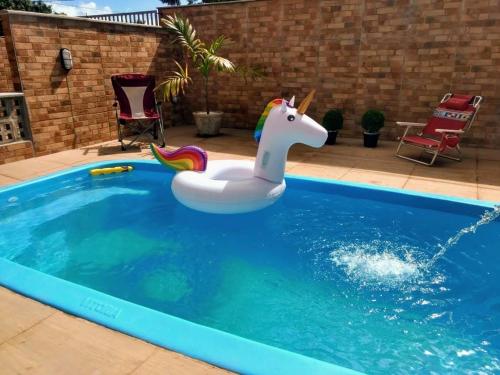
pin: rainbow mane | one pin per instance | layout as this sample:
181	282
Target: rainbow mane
262	120
187	158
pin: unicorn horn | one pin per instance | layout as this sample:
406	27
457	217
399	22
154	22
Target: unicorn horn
291	103
305	103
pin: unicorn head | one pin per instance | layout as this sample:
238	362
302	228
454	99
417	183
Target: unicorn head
279	127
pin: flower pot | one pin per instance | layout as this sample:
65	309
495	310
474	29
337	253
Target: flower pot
332	137
208	124
370	139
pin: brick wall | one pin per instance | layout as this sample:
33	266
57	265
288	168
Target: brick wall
397	56
8	73
5	71
69	109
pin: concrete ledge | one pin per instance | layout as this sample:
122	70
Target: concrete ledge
15	151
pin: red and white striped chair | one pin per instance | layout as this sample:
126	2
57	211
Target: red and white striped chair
135	99
450	120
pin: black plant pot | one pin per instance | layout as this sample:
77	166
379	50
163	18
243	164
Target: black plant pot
332	137
371	139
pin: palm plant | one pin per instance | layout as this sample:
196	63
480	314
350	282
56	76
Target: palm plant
204	58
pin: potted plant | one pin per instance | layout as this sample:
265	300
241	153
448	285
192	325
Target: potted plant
333	121
372	121
204	59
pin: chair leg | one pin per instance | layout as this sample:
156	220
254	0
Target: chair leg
399	147
162	133
459	152
152	129
120	135
436	154
449	157
155	130
415	160
401	143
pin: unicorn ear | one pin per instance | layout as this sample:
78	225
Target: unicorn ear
283	106
291	103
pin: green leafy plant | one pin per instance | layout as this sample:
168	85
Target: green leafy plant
26	5
203	57
372	121
333	120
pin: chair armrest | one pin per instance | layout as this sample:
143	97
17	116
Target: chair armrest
411	124
449	131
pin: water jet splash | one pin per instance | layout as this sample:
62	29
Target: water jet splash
486	218
379	263
387	264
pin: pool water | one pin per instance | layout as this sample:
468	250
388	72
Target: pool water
326	272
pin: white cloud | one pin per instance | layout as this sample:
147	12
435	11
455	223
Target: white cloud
89	5
83	9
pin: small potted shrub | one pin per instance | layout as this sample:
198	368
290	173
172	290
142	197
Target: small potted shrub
333	122
372	121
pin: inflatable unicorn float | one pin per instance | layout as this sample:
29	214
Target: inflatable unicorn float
238	186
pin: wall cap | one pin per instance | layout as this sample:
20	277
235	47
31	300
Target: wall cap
208	4
62	17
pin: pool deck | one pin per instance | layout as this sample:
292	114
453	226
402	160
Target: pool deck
38	339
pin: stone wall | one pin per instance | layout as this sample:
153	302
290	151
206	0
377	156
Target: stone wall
70	109
397	56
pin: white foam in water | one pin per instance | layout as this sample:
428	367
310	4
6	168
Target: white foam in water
377	262
465	353
386	264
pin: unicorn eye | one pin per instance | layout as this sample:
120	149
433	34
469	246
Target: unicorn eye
291	117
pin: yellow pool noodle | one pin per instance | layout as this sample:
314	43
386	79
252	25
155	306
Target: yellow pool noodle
99	171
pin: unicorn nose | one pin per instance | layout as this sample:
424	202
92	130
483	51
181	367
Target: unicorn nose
321	137
315	135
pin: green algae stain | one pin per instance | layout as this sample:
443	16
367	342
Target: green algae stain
169	285
104	250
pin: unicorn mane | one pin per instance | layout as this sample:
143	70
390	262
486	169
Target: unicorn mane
262	120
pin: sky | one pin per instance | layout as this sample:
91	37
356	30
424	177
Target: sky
89	7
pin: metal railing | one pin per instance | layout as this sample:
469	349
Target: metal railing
147	17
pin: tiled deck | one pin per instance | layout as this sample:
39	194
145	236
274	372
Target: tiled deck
477	176
35	338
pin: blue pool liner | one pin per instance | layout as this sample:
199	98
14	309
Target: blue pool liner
207	344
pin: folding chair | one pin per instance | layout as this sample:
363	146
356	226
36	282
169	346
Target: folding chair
450	120
134	95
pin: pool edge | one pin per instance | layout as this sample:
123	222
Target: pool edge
207	344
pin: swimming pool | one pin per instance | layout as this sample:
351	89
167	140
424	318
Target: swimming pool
334	276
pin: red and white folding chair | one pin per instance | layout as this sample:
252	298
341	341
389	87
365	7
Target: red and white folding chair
135	97
450	120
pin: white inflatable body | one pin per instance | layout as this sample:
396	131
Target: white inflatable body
226	187
237	186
